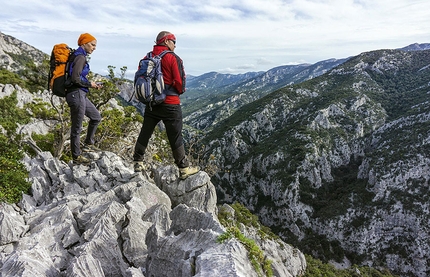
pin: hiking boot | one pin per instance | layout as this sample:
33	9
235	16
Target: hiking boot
81	160
139	166
188	171
90	148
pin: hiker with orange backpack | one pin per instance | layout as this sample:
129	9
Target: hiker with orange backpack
78	102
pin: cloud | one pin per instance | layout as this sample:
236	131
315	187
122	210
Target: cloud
222	35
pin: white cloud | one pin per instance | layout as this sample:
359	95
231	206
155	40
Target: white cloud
222	35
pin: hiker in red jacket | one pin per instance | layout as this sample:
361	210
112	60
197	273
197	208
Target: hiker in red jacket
169	111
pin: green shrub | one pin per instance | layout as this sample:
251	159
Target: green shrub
316	268
242	215
11	115
255	254
13	175
7	77
41	110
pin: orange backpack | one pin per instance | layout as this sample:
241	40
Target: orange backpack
59	67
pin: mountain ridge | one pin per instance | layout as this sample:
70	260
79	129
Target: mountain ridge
220	102
321	158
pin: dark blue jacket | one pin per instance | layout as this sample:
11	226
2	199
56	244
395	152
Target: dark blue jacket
78	71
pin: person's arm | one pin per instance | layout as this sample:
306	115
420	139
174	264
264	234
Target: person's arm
78	66
176	68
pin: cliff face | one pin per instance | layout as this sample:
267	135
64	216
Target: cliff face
106	220
341	161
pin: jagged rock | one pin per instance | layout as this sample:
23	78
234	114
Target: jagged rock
188	256
35	262
104	247
184	218
194	251
12	225
106	220
196	191
134	250
27	203
83	266
53	229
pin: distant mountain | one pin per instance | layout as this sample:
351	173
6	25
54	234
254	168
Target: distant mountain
416	47
220	101
338	164
212	82
212	97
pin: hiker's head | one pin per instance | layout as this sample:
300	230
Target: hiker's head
166	38
88	42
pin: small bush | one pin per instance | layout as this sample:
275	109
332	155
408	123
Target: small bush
13	175
316	268
245	217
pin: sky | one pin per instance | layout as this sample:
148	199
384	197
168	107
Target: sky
220	35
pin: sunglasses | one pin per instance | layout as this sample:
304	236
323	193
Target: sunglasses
174	41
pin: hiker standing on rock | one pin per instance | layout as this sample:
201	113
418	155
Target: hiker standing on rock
78	102
169	111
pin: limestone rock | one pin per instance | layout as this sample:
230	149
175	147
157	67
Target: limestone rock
195	191
83	266
106	220
12	225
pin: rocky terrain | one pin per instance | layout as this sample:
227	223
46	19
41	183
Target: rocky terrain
106	220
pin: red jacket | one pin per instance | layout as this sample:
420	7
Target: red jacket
171	73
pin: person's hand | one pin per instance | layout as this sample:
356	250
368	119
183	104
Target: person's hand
96	85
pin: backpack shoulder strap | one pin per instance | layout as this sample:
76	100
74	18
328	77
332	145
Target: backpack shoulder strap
164	53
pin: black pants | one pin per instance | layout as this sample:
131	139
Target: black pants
171	115
81	106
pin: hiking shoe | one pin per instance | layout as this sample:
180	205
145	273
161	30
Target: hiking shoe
139	166
188	171
81	160
90	148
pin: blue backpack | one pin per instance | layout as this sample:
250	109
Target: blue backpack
148	80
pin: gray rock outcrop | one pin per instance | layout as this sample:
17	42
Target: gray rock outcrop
106	220
11	48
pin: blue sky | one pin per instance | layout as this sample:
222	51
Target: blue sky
221	35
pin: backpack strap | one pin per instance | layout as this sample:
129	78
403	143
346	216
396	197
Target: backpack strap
168	89
164	53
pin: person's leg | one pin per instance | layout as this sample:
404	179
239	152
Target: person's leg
145	134
149	123
76	102
94	115
173	124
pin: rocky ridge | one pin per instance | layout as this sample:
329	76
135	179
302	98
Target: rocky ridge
106	220
12	48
